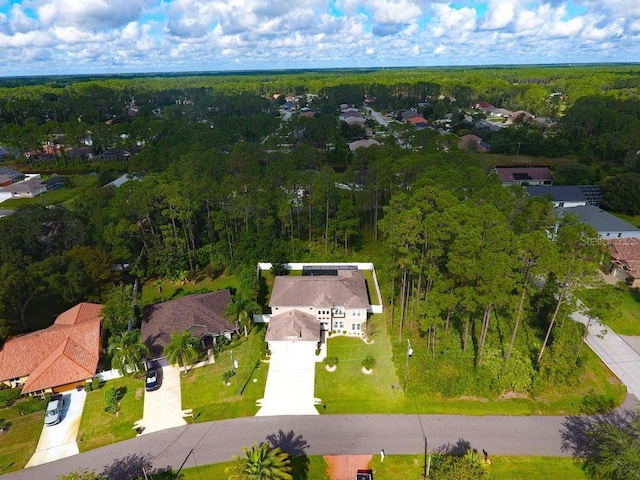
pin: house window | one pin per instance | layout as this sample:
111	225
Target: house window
338	311
355	327
356	313
338	324
619	235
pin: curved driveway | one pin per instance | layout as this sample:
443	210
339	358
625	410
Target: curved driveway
325	435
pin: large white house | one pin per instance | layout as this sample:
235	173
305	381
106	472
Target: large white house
303	306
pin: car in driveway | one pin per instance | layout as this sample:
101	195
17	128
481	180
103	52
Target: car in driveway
152	379
53	415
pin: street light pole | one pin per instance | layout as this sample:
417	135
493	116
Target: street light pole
406	366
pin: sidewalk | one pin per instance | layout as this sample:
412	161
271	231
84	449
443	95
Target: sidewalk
614	351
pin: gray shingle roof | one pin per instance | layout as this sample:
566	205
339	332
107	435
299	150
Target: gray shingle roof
568	193
348	288
600	220
293	325
200	314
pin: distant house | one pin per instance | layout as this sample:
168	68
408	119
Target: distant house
608	226
524	176
201	315
625	260
55	182
322	300
58	358
473	143
114	155
8	176
353	146
26	189
562	196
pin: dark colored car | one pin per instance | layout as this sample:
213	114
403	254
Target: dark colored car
53	415
152	379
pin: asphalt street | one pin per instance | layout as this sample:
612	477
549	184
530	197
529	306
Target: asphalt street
214	442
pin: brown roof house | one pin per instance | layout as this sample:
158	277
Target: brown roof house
200	314
625	258
57	358
304	306
524	176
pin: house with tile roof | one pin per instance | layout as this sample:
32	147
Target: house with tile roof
57	358
201	314
302	307
625	260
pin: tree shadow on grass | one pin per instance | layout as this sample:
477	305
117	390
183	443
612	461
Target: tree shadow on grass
135	466
295	446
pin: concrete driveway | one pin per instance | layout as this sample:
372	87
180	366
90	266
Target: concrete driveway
59	441
163	407
290	381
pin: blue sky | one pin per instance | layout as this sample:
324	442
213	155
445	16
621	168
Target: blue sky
40	37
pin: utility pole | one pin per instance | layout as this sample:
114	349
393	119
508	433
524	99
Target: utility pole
406	366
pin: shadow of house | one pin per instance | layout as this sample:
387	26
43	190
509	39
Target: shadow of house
201	315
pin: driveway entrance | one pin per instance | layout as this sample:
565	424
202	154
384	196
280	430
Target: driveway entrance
163	407
290	381
59	441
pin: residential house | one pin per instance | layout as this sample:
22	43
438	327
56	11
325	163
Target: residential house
568	196
58	358
55	182
334	300
524	176
8	176
202	315
625	260
473	143
608	226
26	189
353	146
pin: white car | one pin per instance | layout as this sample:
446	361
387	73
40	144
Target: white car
53	414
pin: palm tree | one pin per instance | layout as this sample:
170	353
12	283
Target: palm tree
182	349
261	462
241	311
127	352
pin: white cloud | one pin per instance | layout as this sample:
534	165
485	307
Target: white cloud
500	13
89	14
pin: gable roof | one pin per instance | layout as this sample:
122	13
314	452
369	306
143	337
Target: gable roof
293	325
200	314
626	253
66	352
564	193
347	289
515	174
602	221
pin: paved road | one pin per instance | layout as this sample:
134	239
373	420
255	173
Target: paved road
326	435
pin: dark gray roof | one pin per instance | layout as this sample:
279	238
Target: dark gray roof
568	193
600	220
200	314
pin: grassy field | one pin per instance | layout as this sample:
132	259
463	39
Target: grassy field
204	391
99	428
624	319
20	438
80	183
410	467
151	293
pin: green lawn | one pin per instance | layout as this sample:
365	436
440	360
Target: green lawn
20	439
317	470
348	390
203	389
80	183
170	290
99	428
624	319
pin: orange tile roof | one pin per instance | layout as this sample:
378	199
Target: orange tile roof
65	352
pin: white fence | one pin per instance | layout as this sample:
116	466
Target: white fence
375	308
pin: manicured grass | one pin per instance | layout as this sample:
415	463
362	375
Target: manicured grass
632	219
203	389
20	439
348	390
99	428
410	467
317	470
170	290
62	195
624	318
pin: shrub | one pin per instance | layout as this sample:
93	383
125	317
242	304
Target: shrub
226	376
31	405
111	400
331	361
8	396
369	362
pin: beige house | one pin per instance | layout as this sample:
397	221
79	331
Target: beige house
304	306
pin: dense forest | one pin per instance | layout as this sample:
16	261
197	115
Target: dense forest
222	183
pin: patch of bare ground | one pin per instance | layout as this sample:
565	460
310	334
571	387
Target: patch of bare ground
511	395
474	399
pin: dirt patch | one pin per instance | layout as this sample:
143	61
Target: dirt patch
474	399
345	467
511	395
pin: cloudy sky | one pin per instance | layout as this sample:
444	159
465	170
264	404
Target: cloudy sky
111	36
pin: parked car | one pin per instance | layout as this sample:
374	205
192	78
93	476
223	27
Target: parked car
53	415
152	380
